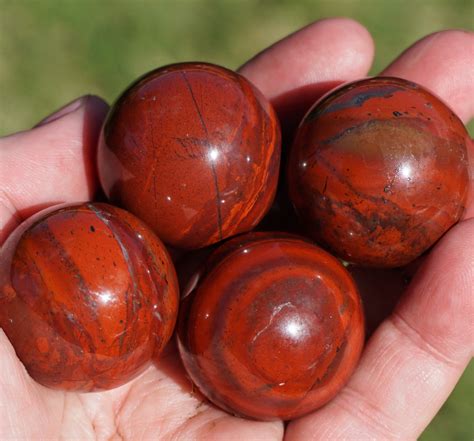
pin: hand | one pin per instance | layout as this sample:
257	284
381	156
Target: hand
411	362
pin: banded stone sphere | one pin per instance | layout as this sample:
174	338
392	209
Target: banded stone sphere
271	328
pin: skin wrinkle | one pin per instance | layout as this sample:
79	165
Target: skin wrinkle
408	331
431	377
369	411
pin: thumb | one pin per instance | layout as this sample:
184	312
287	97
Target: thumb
52	163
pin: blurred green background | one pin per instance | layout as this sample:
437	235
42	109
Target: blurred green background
53	51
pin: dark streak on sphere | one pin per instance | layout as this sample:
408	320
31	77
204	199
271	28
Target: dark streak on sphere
193	149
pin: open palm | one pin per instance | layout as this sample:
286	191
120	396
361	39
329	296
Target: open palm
411	362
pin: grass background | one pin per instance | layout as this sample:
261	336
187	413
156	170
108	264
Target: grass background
53	51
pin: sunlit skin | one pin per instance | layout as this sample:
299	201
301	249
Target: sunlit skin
415	356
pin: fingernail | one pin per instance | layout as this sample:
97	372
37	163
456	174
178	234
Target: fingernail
63	111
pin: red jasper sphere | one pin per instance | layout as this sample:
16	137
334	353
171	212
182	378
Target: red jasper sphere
272	329
88	294
193	149
378	171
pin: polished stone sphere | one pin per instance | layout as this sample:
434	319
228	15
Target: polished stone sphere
193	149
378	171
271	328
88	295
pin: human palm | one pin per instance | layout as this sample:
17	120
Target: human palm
411	362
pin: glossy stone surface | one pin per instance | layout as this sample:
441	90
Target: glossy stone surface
273	327
88	294
378	171
193	149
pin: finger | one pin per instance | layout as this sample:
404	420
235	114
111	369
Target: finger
52	163
297	70
413	361
334	49
442	62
